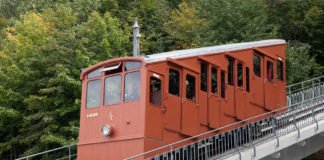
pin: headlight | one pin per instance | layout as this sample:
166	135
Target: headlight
106	130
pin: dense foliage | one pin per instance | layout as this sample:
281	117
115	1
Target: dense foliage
45	44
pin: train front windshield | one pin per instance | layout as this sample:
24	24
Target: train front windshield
120	83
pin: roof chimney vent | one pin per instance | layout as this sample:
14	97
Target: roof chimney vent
136	36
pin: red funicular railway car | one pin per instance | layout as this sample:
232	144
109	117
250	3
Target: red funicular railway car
134	104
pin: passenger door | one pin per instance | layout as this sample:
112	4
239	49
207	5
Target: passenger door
240	93
190	109
229	110
281	82
214	113
173	99
257	88
203	93
269	84
155	108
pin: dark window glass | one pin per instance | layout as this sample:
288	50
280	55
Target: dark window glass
280	70
223	84
214	85
113	69
112	90
269	70
93	93
174	78
239	75
230	72
132	86
155	91
190	87
95	73
257	65
247	79
132	65
203	76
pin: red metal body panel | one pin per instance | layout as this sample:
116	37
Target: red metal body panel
141	126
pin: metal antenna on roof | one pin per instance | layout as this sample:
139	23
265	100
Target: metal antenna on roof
136	36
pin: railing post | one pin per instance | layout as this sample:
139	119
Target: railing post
251	140
69	152
303	94
236	139
313	88
171	149
289	101
295	123
274	130
313	115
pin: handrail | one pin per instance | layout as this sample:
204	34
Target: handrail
48	151
295	84
215	130
319	79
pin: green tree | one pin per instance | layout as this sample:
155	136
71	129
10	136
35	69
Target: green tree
235	21
41	58
300	20
185	26
300	65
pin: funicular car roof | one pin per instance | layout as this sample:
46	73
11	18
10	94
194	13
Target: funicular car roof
189	53
210	50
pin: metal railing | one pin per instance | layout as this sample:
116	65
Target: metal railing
53	154
304	90
306	106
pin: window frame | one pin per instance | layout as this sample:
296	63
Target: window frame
270	64
194	98
161	90
259	67
230	71
124	86
121	89
124	66
282	70
205	65
86	94
93	72
242	75
211	80
178	86
247	79
223	84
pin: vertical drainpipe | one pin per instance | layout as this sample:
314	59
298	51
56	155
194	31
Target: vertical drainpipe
136	36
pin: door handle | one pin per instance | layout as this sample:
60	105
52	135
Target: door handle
183	99
163	109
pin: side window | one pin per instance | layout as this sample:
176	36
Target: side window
93	93
247	79
239	75
112	90
230	68
269	70
214	85
174	78
95	73
155	91
190	87
223	84
113	69
280	70
132	86
257	65
132	65
203	76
